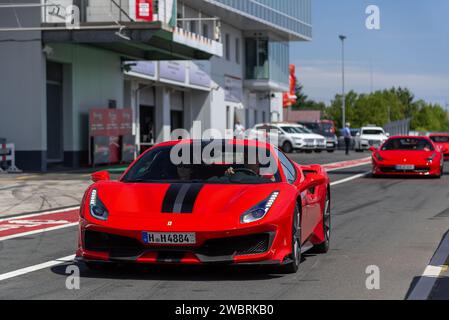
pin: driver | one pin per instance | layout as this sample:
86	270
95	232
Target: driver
254	167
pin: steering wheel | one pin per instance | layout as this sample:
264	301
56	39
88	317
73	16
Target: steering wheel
247	171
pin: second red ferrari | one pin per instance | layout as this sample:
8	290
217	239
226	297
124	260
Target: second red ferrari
441	140
408	155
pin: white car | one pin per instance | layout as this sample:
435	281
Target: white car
291	137
370	137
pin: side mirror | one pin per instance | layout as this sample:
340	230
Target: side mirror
358	134
387	135
444	150
313	180
101	176
372	149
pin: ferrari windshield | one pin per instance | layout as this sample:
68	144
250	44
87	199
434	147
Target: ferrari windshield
187	163
412	144
440	139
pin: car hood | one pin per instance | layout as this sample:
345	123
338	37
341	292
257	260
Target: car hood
373	137
406	157
140	204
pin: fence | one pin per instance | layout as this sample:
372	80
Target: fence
401	127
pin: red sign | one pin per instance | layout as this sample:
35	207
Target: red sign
110	122
289	98
144	10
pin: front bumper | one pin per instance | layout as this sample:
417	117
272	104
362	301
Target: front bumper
419	170
262	244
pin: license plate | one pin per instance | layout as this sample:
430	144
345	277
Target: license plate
186	238
405	167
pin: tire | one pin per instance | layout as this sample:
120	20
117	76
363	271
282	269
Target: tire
293	266
330	151
324	247
100	266
287	147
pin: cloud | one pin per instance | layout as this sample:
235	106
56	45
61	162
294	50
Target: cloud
322	80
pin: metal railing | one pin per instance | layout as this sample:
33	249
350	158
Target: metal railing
401	127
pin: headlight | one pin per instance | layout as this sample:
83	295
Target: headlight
432	157
379	157
97	208
259	211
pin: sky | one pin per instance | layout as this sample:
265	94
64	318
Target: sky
411	49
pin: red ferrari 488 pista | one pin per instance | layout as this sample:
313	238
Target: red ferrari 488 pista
408	155
240	202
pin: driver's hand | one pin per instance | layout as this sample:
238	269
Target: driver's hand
230	172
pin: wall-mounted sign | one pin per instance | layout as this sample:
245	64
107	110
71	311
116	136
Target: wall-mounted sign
174	71
199	74
144	10
233	89
110	122
106	126
146	68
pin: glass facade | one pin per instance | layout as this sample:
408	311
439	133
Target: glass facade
292	15
267	60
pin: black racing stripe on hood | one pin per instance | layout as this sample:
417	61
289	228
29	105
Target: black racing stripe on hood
170	198
181	197
190	198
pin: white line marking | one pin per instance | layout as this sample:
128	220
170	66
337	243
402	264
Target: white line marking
423	288
39	214
36	267
24	234
361	175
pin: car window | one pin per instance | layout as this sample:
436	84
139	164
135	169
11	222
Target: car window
243	165
411	144
440	139
288	167
372	132
291	130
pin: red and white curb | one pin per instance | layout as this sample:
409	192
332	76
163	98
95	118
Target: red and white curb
346	164
21	226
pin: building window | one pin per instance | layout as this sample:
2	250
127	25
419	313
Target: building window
228	47
237	50
257	60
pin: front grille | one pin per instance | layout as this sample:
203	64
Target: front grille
116	246
252	244
309	141
374	142
392	169
124	248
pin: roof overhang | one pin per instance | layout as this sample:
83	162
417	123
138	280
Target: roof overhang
265	86
144	41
